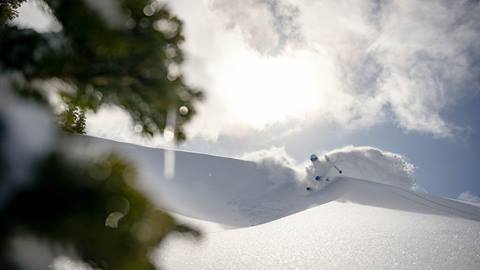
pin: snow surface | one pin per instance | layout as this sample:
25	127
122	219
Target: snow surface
258	215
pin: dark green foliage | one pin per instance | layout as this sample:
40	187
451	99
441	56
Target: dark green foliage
132	63
93	206
8	9
72	120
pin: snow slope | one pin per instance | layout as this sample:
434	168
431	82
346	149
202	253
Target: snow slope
367	218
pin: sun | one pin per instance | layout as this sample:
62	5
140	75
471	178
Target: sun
260	90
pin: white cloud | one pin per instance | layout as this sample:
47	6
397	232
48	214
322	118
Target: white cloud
468	197
422	49
266	25
346	64
353	63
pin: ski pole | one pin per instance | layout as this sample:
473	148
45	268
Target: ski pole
331	163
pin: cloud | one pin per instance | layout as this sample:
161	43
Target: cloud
361	63
268	26
411	59
345	64
355	64
469	197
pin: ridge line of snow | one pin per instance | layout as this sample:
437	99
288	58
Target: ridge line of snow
454	210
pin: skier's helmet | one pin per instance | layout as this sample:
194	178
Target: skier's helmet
313	158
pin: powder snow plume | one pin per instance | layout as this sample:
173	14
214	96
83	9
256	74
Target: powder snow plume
366	163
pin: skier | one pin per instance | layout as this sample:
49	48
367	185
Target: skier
313	158
323	168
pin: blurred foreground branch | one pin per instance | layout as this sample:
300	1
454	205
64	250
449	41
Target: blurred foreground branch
127	55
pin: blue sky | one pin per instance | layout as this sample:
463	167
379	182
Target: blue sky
312	76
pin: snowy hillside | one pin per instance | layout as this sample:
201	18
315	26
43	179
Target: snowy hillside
368	217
